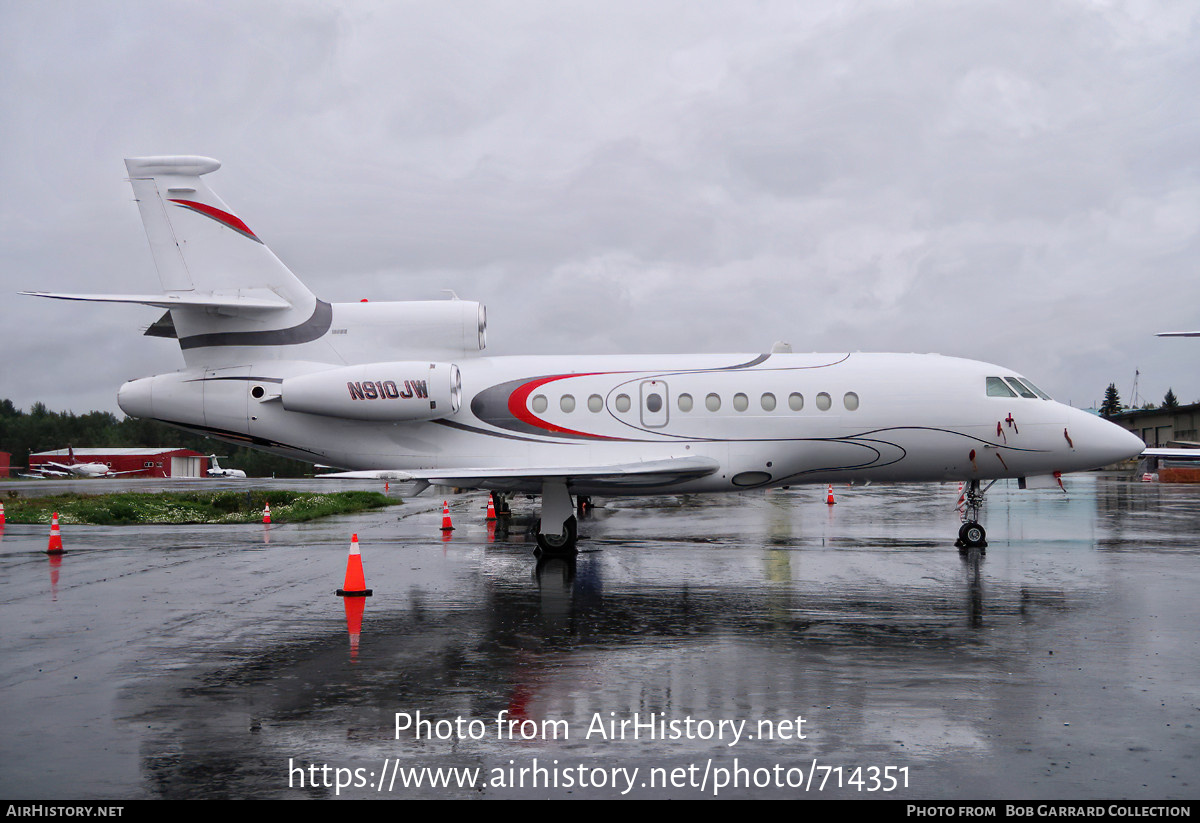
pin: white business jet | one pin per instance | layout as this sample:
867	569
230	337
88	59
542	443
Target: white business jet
402	390
215	470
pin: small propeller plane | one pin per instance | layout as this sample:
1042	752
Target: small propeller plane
403	390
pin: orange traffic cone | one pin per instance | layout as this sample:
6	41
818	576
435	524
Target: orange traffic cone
491	512
267	514
356	583
55	546
829	497
447	526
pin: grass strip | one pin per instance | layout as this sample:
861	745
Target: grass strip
231	506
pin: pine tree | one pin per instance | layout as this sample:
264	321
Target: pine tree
1112	402
1170	401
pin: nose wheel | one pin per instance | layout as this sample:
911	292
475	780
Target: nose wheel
971	535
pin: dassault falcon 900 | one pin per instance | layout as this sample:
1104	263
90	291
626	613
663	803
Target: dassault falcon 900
402	390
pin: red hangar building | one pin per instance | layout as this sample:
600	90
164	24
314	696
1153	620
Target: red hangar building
151	462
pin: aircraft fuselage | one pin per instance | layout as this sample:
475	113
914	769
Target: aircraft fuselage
768	420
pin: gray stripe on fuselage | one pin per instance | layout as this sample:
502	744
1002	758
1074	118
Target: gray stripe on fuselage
311	329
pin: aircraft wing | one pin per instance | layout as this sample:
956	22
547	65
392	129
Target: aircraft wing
1178	334
642	473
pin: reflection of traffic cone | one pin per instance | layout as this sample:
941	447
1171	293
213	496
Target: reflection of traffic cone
267	514
447	526
356	583
491	513
829	497
355	606
55	546
55	563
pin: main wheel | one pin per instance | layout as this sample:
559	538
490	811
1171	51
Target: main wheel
558	543
972	535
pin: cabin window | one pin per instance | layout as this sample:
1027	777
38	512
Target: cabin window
622	402
595	403
654	403
741	402
997	388
823	401
1021	390
850	401
567	403
539	403
685	402
768	402
795	401
713	402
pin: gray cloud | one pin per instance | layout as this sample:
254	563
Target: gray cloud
1009	181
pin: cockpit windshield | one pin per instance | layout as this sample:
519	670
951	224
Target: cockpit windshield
1025	381
998	388
1020	387
1014	387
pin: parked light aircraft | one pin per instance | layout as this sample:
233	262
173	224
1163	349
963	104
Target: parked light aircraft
401	390
74	468
215	470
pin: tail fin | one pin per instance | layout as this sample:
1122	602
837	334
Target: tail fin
225	291
232	291
197	242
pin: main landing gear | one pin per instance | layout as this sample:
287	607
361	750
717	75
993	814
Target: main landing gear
558	530
971	535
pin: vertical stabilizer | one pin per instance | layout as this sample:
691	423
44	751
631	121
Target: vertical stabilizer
201	249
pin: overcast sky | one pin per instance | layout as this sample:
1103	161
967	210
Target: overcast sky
1008	181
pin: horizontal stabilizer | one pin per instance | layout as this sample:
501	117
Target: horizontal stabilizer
259	299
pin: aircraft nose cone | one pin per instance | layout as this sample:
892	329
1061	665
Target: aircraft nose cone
1102	441
1129	443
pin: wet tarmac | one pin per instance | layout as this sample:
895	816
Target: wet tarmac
211	662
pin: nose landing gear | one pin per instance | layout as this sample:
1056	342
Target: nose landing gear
971	535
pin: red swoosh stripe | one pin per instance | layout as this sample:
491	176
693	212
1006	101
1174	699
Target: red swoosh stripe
518	406
222	217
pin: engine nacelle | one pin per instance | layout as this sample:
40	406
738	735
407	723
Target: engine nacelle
391	392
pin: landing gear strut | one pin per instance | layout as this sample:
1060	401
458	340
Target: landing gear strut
971	535
557	530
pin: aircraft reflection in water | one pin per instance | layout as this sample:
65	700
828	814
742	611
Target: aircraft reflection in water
401	390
